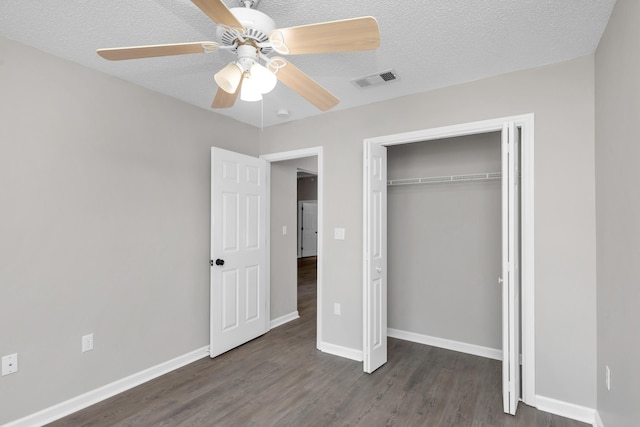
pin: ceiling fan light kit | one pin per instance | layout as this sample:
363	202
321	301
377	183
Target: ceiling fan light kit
250	91
252	36
265	79
229	77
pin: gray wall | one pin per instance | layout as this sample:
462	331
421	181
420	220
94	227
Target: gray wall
562	98
618	213
444	241
104	218
284	205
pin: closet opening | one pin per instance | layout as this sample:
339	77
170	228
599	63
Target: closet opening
448	245
444	243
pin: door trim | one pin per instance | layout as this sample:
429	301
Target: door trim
290	155
526	123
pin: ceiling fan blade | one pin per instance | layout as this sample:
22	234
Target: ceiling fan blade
224	99
336	36
135	52
295	79
218	12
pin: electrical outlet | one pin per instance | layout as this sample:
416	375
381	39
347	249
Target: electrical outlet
10	364
336	309
607	377
87	343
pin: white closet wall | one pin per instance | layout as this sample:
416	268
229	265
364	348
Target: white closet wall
444	241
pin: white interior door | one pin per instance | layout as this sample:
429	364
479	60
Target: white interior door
238	249
375	269
510	269
309	229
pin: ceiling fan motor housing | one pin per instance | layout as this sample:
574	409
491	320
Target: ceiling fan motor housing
247	56
257	27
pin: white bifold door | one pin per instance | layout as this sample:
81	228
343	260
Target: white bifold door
238	250
375	247
510	268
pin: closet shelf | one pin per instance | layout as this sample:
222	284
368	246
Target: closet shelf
444	179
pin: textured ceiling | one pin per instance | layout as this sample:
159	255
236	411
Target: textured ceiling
429	43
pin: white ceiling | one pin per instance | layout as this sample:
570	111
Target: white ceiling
429	43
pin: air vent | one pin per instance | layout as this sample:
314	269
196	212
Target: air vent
376	79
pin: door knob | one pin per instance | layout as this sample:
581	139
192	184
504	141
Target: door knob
500	280
219	261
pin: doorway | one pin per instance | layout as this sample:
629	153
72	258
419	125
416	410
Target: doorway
375	245
276	231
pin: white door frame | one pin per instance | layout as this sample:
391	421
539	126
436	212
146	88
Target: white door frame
526	123
290	155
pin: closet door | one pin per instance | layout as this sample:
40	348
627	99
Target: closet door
375	270
510	269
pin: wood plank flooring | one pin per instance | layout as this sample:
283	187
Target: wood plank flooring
280	379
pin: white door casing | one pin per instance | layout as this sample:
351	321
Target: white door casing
375	260
309	228
239	311
510	269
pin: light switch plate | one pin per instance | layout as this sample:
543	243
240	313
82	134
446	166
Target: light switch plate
336	309
10	364
338	233
87	343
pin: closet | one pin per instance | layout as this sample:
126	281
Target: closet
448	245
444	242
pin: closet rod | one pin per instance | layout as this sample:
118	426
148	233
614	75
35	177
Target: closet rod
444	179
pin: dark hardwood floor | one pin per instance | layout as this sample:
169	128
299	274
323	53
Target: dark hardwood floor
280	379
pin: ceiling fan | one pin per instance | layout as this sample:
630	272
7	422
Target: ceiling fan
252	36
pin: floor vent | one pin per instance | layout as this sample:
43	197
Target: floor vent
376	79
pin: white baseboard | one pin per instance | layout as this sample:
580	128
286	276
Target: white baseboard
598	421
284	319
567	410
82	401
338	350
462	347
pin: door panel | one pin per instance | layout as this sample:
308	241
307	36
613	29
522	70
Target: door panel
230	299
253	222
229	218
253	293
510	269
309	229
238	249
375	309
